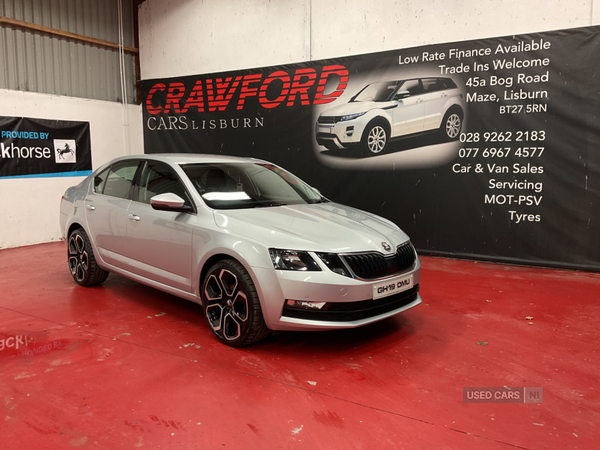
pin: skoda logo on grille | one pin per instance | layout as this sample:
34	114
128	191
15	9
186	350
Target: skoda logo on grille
386	246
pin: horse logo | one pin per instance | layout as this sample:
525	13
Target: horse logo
65	150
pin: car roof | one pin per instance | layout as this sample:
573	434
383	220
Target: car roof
189	158
415	78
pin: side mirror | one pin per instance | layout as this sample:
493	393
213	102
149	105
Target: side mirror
401	94
169	202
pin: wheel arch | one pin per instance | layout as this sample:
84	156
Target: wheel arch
455	108
211	261
74	226
220	256
378	120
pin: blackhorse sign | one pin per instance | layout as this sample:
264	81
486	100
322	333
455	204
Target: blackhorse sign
44	148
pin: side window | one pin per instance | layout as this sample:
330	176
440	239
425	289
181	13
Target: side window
412	86
100	181
447	83
157	179
120	179
431	85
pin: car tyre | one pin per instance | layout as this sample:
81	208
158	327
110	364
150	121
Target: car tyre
375	139
82	262
452	124
231	304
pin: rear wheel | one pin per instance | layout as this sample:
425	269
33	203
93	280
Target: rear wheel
82	263
452	124
231	304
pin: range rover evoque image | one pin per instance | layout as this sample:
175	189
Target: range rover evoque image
385	110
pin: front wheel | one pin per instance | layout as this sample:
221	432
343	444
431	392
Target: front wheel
231	304
451	125
82	263
375	139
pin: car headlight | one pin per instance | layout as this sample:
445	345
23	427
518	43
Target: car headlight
292	260
351	116
334	263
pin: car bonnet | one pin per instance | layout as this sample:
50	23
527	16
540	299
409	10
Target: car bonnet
326	227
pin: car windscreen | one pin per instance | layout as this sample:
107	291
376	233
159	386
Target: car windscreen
377	92
248	185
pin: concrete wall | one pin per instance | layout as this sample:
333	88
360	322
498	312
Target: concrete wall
29	207
185	37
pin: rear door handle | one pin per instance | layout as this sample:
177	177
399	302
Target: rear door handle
134	217
90	207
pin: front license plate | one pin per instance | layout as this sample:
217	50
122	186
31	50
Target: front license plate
393	286
324	130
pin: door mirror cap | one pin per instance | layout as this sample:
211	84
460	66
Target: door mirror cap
401	94
169	202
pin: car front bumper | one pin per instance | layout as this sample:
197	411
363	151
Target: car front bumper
332	301
342	134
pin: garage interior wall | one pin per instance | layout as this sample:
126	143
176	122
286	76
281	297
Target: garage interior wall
85	81
240	34
29	207
182	37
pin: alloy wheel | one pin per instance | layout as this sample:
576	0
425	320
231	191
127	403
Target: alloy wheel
376	139
453	124
78	257
227	308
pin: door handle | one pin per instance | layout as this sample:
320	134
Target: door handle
134	217
90	207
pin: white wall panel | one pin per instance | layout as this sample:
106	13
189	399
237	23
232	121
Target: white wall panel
29	207
347	27
184	37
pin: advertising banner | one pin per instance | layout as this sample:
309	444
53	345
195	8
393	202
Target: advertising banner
485	149
44	148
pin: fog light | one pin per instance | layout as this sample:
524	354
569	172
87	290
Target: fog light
349	131
305	305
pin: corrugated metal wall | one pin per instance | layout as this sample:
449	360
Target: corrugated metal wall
37	62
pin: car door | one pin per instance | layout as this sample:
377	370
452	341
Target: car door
408	115
435	97
106	211
160	242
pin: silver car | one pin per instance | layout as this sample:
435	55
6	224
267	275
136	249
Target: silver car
258	248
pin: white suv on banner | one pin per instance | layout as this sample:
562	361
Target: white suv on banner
385	110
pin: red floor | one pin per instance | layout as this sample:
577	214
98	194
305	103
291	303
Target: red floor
126	366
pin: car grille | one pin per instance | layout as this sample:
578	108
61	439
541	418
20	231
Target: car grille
370	266
329	119
350	311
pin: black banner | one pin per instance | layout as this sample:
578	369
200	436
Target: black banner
44	148
486	149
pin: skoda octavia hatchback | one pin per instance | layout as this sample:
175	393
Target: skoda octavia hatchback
386	110
255	246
